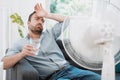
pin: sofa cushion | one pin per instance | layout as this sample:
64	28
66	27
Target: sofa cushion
117	67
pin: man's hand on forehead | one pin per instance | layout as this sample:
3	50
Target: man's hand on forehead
39	10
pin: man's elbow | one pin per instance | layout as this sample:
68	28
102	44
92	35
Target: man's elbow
6	64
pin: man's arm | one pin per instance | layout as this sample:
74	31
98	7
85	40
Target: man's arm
10	61
42	13
56	17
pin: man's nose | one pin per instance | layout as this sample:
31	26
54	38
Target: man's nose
40	21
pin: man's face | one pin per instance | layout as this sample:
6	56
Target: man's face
36	24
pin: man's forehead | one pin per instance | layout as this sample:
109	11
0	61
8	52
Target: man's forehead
36	16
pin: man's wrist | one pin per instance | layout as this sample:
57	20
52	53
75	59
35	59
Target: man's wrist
48	15
57	17
22	55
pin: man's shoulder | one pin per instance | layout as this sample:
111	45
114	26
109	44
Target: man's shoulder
20	41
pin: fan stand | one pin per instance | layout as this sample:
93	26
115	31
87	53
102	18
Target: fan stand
108	68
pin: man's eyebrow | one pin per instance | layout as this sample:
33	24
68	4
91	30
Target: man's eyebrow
35	17
38	17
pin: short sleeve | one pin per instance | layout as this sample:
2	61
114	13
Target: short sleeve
56	30
15	48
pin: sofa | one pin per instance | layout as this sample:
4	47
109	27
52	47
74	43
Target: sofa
23	70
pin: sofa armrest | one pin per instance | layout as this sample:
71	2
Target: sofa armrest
23	70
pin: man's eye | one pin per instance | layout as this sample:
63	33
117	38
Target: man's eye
36	19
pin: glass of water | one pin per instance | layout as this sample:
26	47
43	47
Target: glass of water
36	45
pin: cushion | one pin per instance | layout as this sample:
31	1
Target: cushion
117	67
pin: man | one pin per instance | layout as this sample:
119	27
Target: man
49	62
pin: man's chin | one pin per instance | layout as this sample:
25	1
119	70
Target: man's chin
37	31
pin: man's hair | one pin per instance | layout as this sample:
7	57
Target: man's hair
29	18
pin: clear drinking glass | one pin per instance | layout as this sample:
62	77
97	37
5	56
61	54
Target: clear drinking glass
36	45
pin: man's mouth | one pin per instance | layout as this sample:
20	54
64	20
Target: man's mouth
39	26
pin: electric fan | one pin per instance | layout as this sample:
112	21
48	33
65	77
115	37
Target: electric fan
93	42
